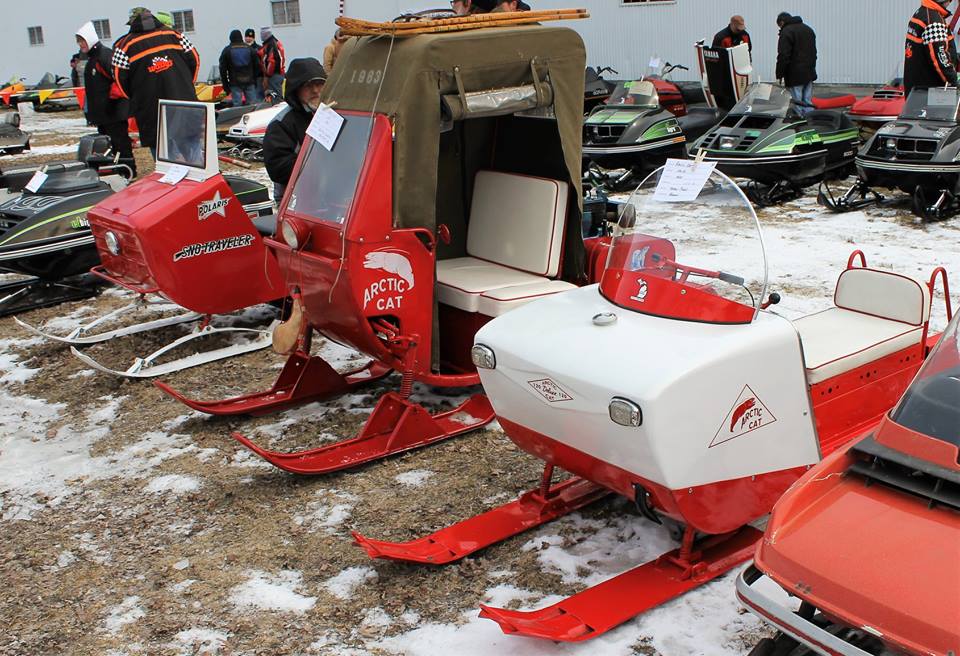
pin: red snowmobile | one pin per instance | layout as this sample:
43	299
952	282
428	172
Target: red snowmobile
434	208
868	540
185	235
882	106
672	385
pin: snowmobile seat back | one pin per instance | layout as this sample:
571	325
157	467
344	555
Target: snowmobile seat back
91	145
828	120
266	225
883	294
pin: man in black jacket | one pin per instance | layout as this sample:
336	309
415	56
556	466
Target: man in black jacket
930	55
285	133
104	105
151	62
797	60
250	38
733	35
238	63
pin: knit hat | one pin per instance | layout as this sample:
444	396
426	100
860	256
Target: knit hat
165	18
137	12
265	33
250	32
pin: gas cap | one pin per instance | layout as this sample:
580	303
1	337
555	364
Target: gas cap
604	319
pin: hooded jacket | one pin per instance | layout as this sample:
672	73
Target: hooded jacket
151	62
930	54
273	60
104	104
238	63
796	53
285	133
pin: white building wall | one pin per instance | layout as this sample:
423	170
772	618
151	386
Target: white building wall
860	41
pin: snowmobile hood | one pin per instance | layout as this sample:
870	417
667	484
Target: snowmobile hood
89	34
134	198
872	556
914	142
30	218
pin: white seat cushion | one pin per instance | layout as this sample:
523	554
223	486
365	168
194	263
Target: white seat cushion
838	340
495	302
883	294
461	281
518	221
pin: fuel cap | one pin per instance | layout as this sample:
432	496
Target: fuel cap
604	319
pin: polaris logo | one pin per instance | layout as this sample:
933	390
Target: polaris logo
215	205
215	246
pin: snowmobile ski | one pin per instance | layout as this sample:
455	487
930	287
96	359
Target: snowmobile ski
33	293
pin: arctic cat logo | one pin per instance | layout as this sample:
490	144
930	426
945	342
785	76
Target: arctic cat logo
193	250
160	64
215	205
387	292
79	222
747	415
30	203
641	293
549	390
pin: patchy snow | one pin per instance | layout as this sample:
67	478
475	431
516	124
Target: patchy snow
343	584
272	592
332	508
173	483
55	149
199	642
181	565
65	559
127	612
415	478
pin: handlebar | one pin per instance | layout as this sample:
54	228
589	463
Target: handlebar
607	69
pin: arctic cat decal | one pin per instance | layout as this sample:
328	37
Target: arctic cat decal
21	203
549	390
641	292
387	292
79	222
215	205
193	250
747	415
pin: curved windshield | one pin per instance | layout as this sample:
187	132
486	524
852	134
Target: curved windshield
766	99
931	404
688	245
641	93
937	104
58	182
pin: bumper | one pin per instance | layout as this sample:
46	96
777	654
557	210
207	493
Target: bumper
803	631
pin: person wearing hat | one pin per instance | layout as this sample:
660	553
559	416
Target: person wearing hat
332	50
151	62
285	133
930	54
238	63
510	5
104	105
467	7
165	18
797	60
733	34
273	62
250	38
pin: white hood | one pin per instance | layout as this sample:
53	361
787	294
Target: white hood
89	34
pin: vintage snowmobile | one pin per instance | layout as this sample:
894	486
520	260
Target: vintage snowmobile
187	234
765	140
883	106
916	154
44	232
247	133
596	89
406	272
670	384
13	140
867	540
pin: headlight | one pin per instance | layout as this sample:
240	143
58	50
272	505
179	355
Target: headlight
245	119
890	144
113	244
483	357
728	142
625	412
294	233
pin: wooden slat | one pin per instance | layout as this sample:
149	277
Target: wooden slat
359	27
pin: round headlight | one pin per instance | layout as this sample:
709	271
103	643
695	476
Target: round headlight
112	242
483	357
289	235
890	144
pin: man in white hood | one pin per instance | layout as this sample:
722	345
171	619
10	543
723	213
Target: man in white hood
105	106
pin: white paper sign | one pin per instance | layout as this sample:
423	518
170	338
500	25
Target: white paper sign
36	182
325	127
175	174
654	63
682	180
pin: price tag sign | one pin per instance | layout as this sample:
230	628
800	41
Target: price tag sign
33	186
682	180
175	174
325	126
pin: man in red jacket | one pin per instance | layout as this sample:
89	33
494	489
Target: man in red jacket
273	62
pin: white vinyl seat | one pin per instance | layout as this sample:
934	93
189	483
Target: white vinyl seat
877	313
514	240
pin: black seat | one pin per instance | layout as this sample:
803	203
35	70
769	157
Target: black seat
829	120
698	121
266	225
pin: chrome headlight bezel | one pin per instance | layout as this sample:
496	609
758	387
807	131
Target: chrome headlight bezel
625	412
483	357
112	242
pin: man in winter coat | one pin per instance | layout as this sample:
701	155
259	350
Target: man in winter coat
285	133
237	65
104	105
733	35
797	60
250	38
332	50
930	56
273	62
149	63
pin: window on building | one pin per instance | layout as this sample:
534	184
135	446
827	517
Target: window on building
102	26
36	35
285	12
183	20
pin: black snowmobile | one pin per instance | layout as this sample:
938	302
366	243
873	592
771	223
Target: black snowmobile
44	233
596	89
765	140
13	140
919	154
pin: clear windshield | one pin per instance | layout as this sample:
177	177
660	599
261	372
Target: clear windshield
641	93
325	186
690	225
932	403
765	99
60	181
937	104
184	135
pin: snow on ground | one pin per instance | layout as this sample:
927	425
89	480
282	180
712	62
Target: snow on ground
54	149
266	591
126	612
173	483
199	642
343	584
414	478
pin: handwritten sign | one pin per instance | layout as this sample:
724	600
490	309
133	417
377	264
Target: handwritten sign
682	180
33	186
325	126
175	174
